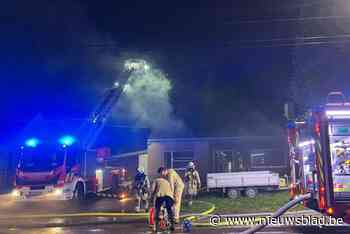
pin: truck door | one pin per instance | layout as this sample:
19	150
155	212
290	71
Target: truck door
340	158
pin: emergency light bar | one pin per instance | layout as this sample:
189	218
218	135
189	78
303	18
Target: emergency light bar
32	142
338	113
67	140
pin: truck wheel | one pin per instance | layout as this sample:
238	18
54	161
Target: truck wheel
251	192
233	193
79	192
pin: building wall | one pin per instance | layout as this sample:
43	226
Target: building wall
204	150
202	158
156	151
155	160
273	151
143	161
7	171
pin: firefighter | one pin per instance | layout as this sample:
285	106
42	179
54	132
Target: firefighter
193	182
162	194
177	187
142	187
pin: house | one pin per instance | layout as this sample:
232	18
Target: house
210	154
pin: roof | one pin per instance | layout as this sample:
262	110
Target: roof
126	155
123	139
210	139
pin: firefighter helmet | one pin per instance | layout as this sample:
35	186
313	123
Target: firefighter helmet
141	170
190	165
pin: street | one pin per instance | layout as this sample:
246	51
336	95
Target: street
10	206
28	214
141	229
29	217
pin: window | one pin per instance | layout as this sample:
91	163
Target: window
178	159
41	159
258	159
340	158
267	158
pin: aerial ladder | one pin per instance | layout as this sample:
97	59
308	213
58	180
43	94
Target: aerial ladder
97	120
93	126
79	169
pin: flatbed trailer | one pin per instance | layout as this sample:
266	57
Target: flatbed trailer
249	182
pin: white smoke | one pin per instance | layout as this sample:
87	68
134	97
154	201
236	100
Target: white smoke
146	99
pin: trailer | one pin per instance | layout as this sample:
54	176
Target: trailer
249	182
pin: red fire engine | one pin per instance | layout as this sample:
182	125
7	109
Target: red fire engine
319	150
68	167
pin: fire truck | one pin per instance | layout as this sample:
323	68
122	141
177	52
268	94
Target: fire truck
68	167
319	153
54	171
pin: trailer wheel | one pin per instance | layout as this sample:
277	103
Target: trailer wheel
79	192
251	192
233	193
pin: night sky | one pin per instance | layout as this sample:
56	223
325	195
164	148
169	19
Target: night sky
232	64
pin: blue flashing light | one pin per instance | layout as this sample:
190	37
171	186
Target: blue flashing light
290	124
67	141
32	142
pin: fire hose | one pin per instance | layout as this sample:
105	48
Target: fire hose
279	212
197	217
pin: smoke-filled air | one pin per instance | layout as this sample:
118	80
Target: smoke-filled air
146	99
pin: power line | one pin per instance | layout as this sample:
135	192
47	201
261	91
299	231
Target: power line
339	36
314	43
284	42
292	19
297	6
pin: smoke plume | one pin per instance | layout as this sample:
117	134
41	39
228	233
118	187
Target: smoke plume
146	100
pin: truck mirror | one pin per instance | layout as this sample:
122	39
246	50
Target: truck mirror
335	98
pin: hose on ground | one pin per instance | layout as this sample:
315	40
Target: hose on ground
279	212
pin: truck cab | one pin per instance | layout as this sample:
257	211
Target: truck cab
54	171
40	171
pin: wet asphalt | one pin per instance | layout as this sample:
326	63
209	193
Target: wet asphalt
11	222
141	229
